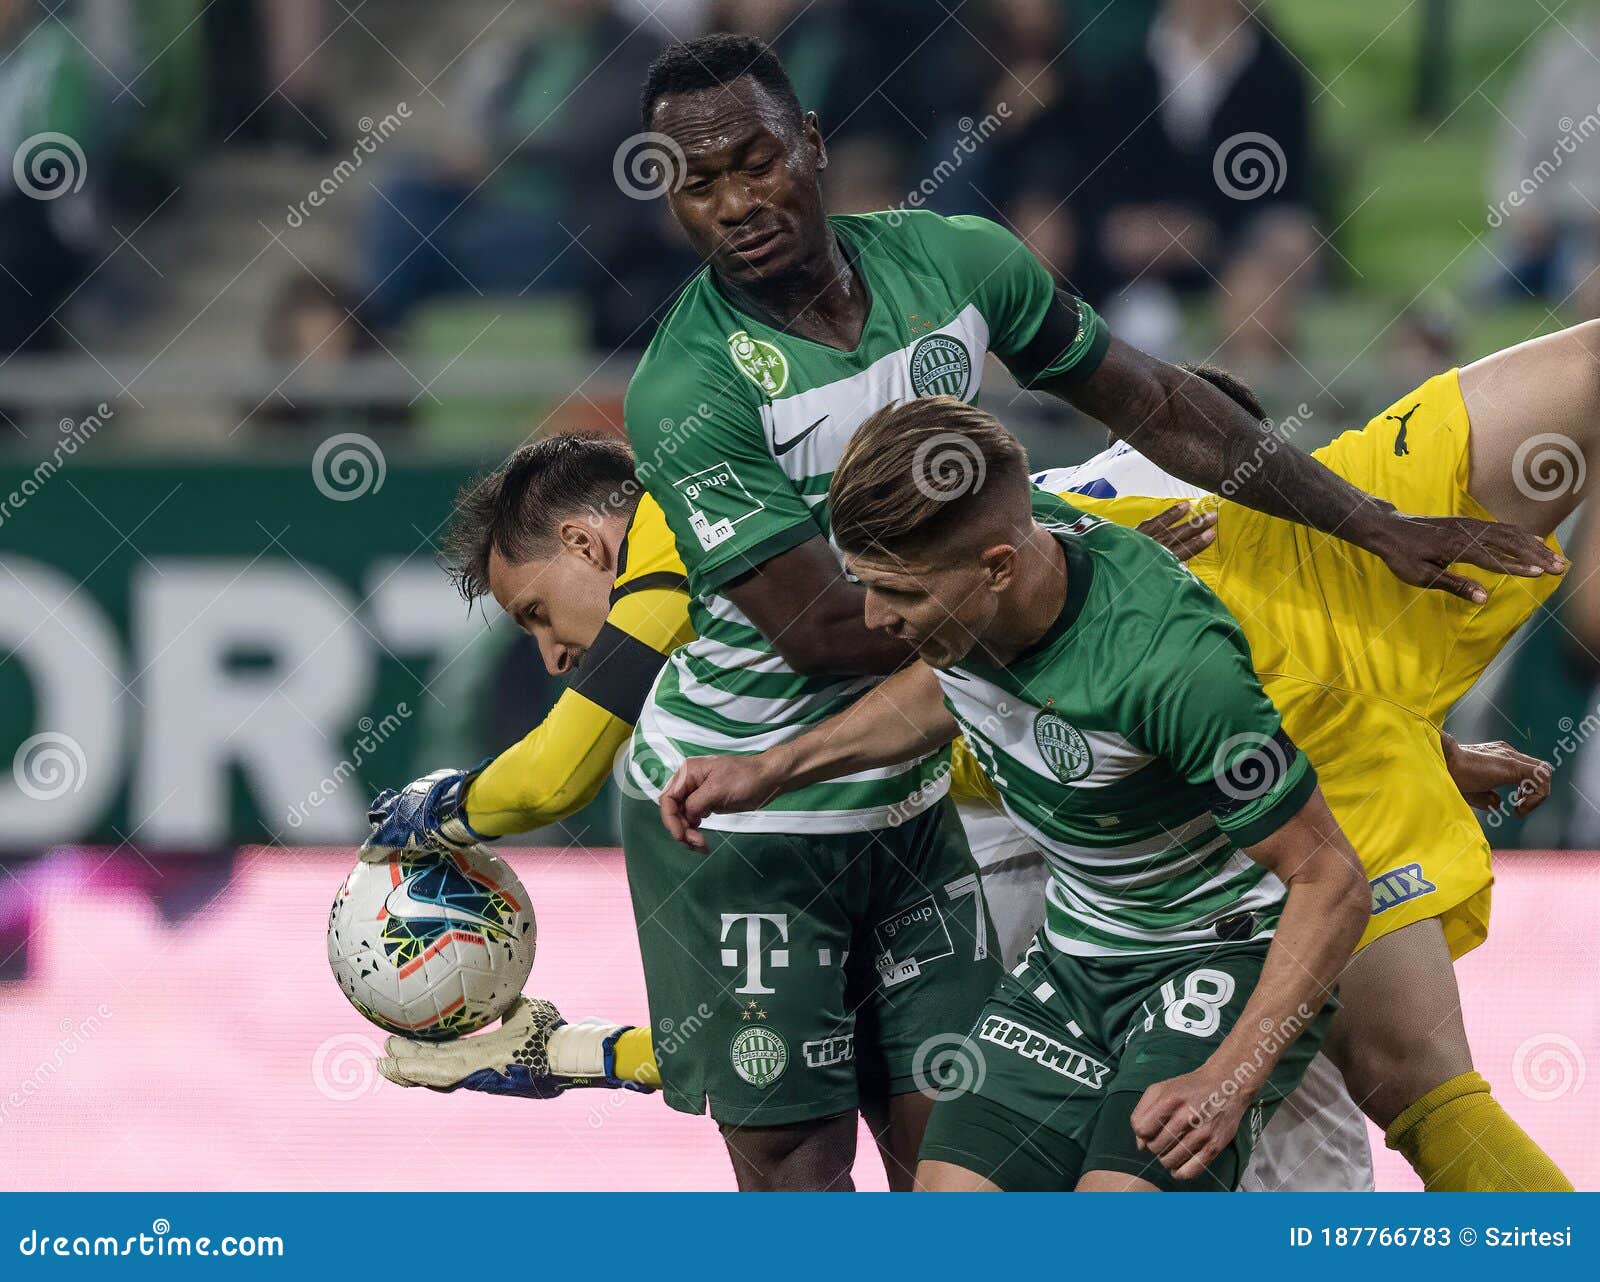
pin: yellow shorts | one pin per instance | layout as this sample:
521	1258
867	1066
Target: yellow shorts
1364	667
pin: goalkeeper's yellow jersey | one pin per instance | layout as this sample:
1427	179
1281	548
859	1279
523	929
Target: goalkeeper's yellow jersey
562	764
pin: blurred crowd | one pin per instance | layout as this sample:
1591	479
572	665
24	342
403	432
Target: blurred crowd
1092	130
1158	155
1096	142
104	104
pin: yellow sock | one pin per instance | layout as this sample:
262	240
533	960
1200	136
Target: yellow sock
636	1058
1459	1140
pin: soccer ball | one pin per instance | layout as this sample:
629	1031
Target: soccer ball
432	945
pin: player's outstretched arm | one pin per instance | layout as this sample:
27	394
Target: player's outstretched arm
534	1053
1194	431
900	719
560	765
1187	1121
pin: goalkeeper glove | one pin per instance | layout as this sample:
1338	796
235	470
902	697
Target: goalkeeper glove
534	1053
426	814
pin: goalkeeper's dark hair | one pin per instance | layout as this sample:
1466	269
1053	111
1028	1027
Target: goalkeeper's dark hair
713	61
518	508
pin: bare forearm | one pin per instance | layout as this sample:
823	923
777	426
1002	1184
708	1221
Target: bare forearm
814	616
1320	926
1197	433
900	720
832	638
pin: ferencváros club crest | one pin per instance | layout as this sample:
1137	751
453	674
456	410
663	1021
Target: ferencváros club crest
940	366
759	1055
1062	746
760	362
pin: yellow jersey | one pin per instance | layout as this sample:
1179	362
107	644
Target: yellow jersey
560	766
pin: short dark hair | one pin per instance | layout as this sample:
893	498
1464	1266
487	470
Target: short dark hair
517	508
715	60
1231	386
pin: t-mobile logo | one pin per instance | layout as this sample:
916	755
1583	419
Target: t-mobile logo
779	957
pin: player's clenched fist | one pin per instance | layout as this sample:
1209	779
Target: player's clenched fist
1188	1121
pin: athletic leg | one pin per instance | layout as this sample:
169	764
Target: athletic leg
1409	1066
741	950
1535	413
1393	1052
805	1157
897	1126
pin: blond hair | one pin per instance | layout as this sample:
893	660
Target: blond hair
918	470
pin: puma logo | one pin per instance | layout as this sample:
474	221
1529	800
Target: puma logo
1400	446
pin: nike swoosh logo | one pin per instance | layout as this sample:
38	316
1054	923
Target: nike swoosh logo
779	451
401	903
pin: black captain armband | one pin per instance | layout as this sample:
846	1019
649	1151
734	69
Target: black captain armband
1250	790
617	673
1070	344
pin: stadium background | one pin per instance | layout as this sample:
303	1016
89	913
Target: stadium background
278	276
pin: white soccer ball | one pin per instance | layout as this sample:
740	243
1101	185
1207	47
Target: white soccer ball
432	945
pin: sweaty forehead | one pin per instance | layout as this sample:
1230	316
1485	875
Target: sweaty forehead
721	119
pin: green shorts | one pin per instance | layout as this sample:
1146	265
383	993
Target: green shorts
1064	1049
791	977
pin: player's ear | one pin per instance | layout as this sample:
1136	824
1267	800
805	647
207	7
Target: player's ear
583	540
1000	563
812	132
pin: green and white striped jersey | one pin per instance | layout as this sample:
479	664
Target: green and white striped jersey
737	428
1133	743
